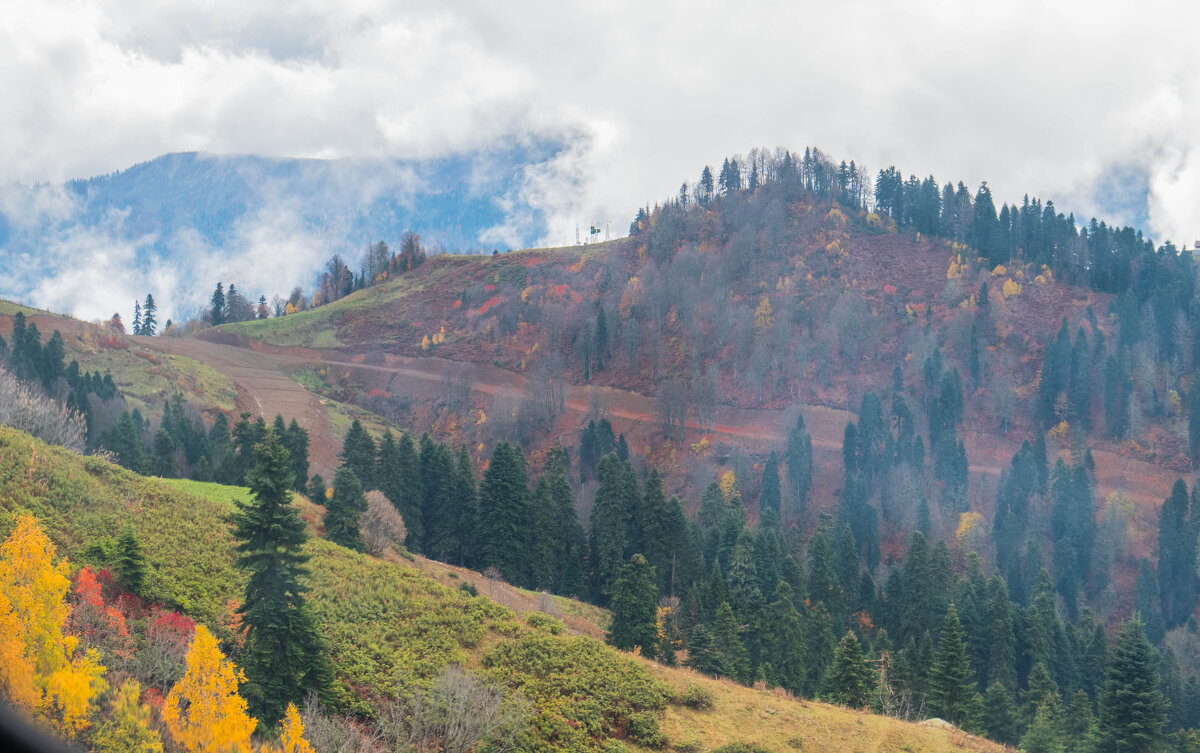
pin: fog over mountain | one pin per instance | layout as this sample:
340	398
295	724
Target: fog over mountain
177	224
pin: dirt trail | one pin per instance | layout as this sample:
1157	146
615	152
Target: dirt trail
263	386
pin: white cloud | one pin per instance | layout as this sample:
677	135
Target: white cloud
1036	97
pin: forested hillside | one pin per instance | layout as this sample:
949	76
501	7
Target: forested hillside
857	438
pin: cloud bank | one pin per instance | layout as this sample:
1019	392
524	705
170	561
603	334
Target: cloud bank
1094	105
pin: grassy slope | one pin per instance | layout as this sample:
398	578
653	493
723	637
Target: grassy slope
146	378
384	620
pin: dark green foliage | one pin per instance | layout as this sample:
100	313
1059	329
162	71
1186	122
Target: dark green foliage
951	680
1177	556
784	641
799	459
850	679
217	309
149	318
131	562
770	497
1000	722
400	482
295	441
344	509
358	455
1132	710
616	500
504	515
733	661
316	489
282	657
162	463
634	608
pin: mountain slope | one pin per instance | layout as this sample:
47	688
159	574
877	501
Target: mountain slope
388	622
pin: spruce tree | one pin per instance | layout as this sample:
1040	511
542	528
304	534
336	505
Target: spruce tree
217	310
1044	734
612	511
1177	556
358	455
149	320
466	509
734	662
131	562
784	639
769	497
400	482
344	509
282	655
136	329
1132	708
295	441
850	679
635	608
951	679
569	578
162	463
504	515
1000	722
799	458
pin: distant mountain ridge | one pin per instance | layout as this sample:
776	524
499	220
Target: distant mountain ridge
180	212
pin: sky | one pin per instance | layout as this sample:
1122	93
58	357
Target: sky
1095	105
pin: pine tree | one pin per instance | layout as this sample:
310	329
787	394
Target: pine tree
799	461
950	678
850	679
344	509
136	329
466	509
282	657
131	562
162	463
400	482
784	640
612	512
1132	708
1176	556
634	608
734	661
149	321
295	441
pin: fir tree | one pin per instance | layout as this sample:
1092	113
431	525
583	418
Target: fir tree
612	512
344	510
149	320
504	515
217	309
784	640
734	661
136	329
162	463
1132	709
131	562
358	455
316	489
634	608
950	678
282	658
799	458
850	678
1044	734
769	497
1000	721
295	441
400	482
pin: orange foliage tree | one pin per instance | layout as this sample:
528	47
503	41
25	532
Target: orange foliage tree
203	712
39	668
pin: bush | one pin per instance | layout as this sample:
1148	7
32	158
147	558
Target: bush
688	746
545	622
468	588
643	730
460	713
695	697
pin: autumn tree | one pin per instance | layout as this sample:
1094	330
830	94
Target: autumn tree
39	667
203	712
128	729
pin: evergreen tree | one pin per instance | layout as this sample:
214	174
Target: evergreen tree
131	562
1078	723
734	661
295	441
1132	709
1044	734
601	340
850	679
149	320
769	497
951	679
217	310
1177	556
784	640
316	489
1000	721
466	509
569	578
344	510
136	329
635	608
400	482
163	463
799	458
282	658
609	533
358	455
504	516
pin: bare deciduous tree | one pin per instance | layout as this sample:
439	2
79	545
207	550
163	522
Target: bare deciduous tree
26	408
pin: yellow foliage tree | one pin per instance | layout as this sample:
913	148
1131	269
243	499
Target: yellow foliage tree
970	531
293	732
203	712
1011	288
289	309
128	730
727	482
764	314
37	668
630	298
425	342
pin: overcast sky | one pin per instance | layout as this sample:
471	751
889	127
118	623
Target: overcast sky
1053	98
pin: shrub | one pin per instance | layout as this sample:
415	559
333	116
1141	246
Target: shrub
688	746
545	622
459	714
643	730
468	588
695	697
